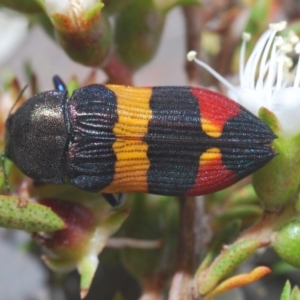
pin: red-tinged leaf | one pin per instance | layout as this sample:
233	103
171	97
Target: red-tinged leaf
239	280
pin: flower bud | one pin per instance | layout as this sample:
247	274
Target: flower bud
78	245
286	242
277	183
138	32
81	29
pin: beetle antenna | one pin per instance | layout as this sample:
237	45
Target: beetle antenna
3	159
19	97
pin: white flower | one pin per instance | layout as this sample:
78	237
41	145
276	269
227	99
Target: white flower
266	79
13	32
75	10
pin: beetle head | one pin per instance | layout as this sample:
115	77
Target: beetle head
36	137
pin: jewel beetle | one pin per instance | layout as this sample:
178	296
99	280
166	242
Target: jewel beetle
168	140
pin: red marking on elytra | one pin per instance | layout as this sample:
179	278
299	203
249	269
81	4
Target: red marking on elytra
212	177
215	107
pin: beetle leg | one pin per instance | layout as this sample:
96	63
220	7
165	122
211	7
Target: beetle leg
59	84
113	200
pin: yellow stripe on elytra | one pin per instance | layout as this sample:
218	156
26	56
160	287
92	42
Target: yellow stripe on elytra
210	156
210	128
132	163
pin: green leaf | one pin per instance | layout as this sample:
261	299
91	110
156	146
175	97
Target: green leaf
295	295
28	216
285	295
270	119
229	232
72	85
91	13
286	242
228	260
247	213
282	267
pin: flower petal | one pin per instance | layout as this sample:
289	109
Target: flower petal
249	98
64	6
54	6
286	106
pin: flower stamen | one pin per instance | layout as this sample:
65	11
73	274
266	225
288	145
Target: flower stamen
271	69
246	37
263	69
281	61
76	11
266	78
191	56
293	38
278	26
251	65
